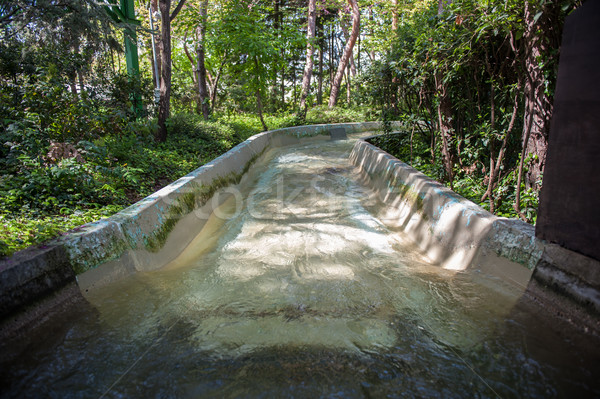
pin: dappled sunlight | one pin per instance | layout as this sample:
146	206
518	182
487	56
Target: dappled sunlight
302	262
306	258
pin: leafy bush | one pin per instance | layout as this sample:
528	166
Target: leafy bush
52	181
48	187
322	114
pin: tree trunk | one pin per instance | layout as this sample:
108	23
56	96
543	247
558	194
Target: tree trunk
155	77
348	87
394	16
444	117
310	50
73	83
157	41
347	37
81	80
259	106
525	141
165	71
201	68
331	53
321	59
335	85
444	111
538	105
277	26
495	165
358	55
372	21
259	109
215	82
192	61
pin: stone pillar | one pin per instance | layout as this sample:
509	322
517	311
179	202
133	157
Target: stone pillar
569	211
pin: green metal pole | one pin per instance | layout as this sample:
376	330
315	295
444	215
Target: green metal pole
131	55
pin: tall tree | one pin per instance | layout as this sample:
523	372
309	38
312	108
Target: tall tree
164	103
541	38
444	108
337	80
258	86
201	68
344	26
310	50
322	43
253	46
372	33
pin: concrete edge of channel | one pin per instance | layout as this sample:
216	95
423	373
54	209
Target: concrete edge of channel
451	229
448	224
37	273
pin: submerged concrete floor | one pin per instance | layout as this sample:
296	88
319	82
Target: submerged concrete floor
546	343
406	326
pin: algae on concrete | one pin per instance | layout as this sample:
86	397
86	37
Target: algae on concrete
196	197
88	249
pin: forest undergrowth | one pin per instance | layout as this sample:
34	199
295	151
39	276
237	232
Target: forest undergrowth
50	184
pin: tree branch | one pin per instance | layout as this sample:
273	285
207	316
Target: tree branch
176	10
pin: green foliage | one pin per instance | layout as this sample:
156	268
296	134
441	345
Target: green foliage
69	142
18	232
43	195
456	80
71	149
322	114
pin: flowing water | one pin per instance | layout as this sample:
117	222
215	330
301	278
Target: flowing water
295	288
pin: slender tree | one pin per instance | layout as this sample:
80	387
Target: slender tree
322	43
372	32
444	111
310	50
258	85
204	106
157	41
541	36
337	80
344	26
164	104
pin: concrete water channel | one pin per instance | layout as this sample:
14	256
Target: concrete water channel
296	266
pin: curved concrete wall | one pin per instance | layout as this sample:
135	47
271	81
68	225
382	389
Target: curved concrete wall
146	235
451	230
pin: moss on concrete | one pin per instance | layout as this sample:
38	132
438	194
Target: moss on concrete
98	248
196	197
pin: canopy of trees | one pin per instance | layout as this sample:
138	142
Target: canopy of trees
472	81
